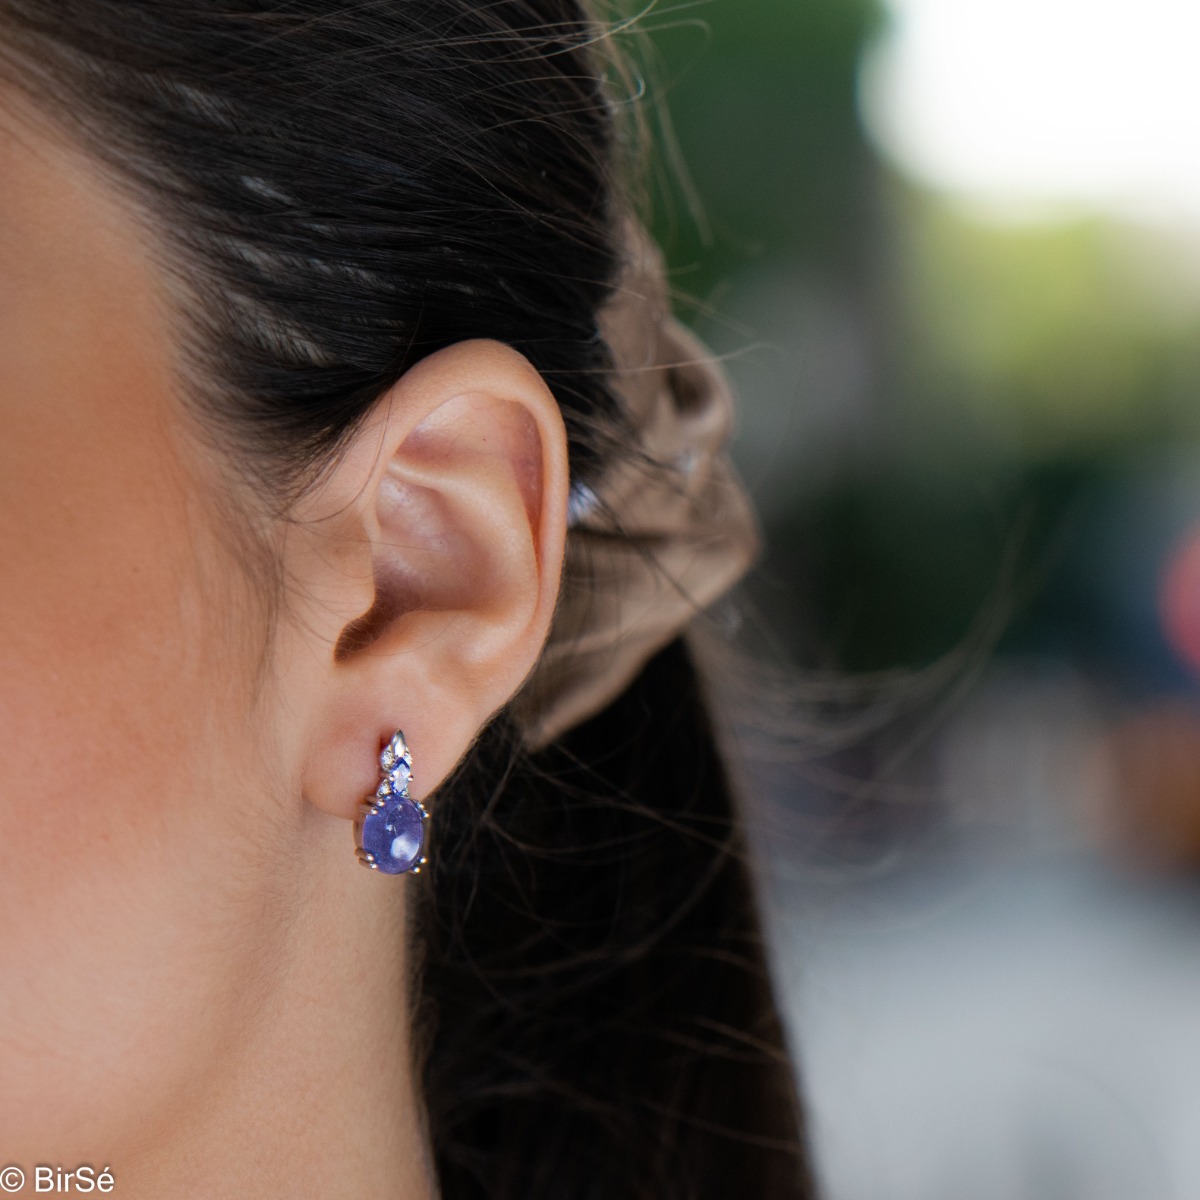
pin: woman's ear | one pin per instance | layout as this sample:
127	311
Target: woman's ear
427	565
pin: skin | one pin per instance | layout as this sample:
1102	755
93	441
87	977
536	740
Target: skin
200	988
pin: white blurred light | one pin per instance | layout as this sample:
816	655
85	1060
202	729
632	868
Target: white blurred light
1033	103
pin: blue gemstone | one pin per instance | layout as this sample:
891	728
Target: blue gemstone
394	835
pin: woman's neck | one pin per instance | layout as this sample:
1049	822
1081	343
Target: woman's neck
316	1096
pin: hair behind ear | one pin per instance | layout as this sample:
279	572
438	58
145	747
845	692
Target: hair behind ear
605	1024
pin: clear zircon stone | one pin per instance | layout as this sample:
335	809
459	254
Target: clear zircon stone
394	753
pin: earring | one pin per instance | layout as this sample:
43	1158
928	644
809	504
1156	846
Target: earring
390	830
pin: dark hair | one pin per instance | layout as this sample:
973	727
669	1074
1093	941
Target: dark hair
341	189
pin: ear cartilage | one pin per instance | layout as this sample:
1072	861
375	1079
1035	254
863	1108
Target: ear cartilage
390	830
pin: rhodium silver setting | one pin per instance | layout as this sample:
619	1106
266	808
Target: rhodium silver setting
390	829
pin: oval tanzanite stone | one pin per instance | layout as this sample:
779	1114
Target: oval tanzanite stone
394	835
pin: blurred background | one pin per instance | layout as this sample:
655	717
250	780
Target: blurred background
950	251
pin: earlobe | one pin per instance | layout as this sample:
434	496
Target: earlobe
434	548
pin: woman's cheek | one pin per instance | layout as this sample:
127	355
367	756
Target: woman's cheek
126	718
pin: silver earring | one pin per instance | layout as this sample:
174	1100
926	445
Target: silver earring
390	830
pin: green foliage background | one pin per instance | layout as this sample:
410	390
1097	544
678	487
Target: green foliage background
926	396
